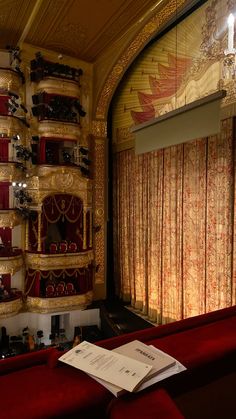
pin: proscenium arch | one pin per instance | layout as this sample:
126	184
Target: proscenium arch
171	11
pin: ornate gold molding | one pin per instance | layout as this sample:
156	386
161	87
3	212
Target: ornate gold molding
59	86
8	172
50	305
9	218
151	28
41	261
10	265
10	126
10	308
99	213
99	129
47	180
10	80
55	129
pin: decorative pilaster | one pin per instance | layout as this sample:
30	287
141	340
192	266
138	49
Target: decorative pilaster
27	235
99	132
90	228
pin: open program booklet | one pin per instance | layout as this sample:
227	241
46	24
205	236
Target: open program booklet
130	367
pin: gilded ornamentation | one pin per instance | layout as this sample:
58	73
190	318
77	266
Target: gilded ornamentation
9	219
99	200
8	172
51	179
149	30
10	265
59	129
10	126
59	261
59	86
9	80
10	308
99	129
50	305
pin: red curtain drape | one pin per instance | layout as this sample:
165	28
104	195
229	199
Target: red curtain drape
4	149
6	280
4	195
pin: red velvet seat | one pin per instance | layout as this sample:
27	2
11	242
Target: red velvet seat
60	289
53	248
70	289
72	247
50	291
63	247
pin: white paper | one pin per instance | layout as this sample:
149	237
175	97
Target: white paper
117	369
175	368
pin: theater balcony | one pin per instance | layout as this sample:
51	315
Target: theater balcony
11	305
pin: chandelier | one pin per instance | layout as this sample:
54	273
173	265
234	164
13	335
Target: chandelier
229	60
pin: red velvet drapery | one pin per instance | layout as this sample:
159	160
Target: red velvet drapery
4	149
62	219
4	195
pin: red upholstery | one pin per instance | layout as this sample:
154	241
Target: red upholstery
50	290
63	246
53	248
72	247
147	405
70	289
34	386
60	289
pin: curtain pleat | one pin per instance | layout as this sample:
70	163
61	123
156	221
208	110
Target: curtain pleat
174	227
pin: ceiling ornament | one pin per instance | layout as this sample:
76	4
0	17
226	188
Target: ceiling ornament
149	30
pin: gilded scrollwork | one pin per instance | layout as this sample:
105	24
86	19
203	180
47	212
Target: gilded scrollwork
10	308
59	129
99	129
10	126
42	261
9	80
8	172
59	86
11	264
50	305
9	219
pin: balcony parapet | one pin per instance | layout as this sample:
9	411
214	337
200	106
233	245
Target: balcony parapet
10	125
9	218
10	308
59	86
9	172
56	129
11	264
10	80
51	305
47	262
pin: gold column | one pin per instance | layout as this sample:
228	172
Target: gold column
84	229
39	232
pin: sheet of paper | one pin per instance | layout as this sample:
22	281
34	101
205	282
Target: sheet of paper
108	365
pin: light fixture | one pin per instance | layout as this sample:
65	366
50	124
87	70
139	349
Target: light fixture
229	61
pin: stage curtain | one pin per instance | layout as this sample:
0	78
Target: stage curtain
174	227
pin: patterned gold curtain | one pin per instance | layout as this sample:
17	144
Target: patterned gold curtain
174	227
